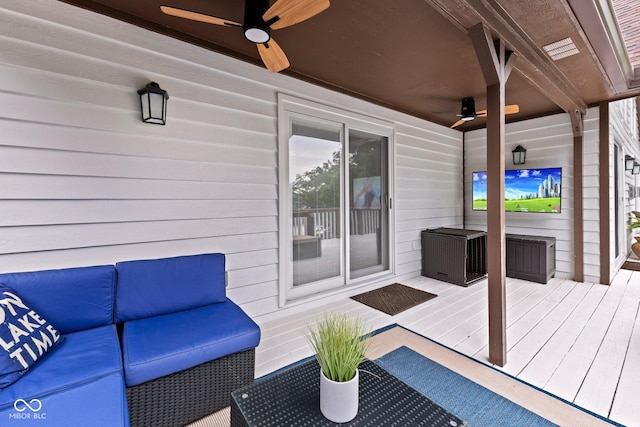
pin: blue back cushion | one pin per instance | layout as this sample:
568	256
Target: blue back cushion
153	287
72	299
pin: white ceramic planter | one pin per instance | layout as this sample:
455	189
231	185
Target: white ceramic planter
339	400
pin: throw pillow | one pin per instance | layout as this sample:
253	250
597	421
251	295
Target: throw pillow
25	337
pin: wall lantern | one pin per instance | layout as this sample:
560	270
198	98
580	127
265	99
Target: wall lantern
629	162
519	155
153	102
636	168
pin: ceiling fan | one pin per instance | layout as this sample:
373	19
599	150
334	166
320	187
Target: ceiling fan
468	111
259	20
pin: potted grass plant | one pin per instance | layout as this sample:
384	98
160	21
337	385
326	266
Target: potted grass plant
340	342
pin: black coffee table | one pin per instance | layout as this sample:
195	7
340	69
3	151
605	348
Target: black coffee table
291	398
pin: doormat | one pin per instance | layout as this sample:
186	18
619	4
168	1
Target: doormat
393	299
631	265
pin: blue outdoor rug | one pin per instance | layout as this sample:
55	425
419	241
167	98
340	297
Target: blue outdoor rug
472	402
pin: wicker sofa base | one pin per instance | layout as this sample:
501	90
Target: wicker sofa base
183	397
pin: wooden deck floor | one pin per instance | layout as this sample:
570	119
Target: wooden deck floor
579	341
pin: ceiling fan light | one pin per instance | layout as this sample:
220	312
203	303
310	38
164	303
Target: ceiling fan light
468	109
257	35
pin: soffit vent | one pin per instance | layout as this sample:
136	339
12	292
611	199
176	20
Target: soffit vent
561	49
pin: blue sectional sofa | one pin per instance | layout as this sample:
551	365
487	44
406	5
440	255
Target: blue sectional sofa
81	380
149	342
185	349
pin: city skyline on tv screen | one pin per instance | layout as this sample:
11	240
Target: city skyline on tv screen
525	190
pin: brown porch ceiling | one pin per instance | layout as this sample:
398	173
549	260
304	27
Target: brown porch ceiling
413	56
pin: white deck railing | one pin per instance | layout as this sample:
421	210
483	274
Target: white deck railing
325	223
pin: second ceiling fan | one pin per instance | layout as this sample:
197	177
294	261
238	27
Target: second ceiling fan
468	111
259	20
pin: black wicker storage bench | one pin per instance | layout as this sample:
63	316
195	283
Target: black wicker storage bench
454	255
185	345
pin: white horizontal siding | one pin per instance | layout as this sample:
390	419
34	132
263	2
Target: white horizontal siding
83	181
428	188
549	143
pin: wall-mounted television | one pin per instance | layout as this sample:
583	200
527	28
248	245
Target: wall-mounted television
525	190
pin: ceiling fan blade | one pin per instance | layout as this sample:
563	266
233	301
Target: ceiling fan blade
195	16
508	109
458	123
289	12
273	56
511	109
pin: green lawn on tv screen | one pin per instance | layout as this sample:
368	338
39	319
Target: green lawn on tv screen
551	205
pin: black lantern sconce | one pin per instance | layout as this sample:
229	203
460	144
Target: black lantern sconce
519	155
153	103
628	163
636	168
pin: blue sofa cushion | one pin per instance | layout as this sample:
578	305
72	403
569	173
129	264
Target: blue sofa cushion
80	384
154	287
86	292
25	337
159	346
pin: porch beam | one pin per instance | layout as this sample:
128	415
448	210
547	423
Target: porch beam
577	126
534	64
496	63
603	196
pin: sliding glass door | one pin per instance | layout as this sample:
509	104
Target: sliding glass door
368	219
315	181
335	202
